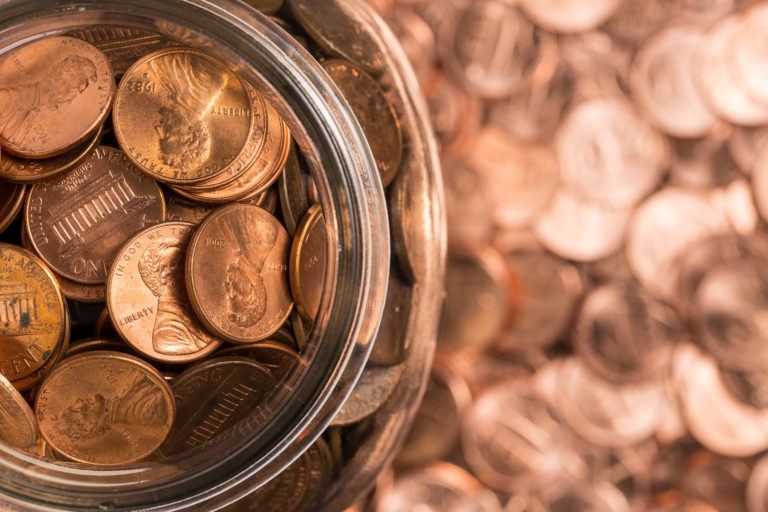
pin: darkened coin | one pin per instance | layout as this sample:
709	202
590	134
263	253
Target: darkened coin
54	92
147	296
293	186
751	386
116	408
307	263
338	33
375	114
212	397
266	6
78	221
286	337
18	426
11	201
392	347
103	325
181	116
32	313
240	254
20	170
279	358
372	390
301	330
123	46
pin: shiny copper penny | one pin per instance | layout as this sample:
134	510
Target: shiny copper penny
307	264
21	170
18	426
179	209
116	409
147	296
78	221
11	201
375	114
123	46
32	313
237	273
372	390
54	92
212	397
181	116
279	358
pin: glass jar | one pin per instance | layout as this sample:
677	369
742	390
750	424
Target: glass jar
358	263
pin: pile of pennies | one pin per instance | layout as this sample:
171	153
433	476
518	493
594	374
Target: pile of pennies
163	249
604	344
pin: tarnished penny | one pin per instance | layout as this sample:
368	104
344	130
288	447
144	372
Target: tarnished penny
54	92
279	358
181	116
266	6
20	170
372	390
375	114
34	378
147	296
11	201
18	426
32	313
293	186
237	273
123	46
117	409
78	221
307	263
212	397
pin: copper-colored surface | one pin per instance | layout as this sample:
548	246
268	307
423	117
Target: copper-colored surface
18	426
307	263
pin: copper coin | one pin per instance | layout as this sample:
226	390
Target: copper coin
184	210
240	254
293	187
11	201
636	20
468	205
104	408
212	397
455	114
372	390
32	313
38	375
78	221
307	264
103	325
20	170
751	386
18	426
279	358
181	116
54	93
750	60
337	32
94	344
286	337
757	487
578	16
266	6
393	345
409	216
147	296
301	330
376	115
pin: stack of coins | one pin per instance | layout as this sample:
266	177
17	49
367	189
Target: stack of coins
603	345
164	249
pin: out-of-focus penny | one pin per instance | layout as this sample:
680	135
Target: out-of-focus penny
79	220
609	153
455	114
280	359
576	16
293	186
751	386
600	65
373	389
147	296
21	170
704	162
392	345
750	60
11	201
663	81
240	254
338	33
468	205
32	313
54	92
182	116
635	20
18	426
376	115
123	46
212	397
117	409
748	147
307	263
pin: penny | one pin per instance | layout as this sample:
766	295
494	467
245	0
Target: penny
278	358
301	330
578	16
20	170
307	263
240	254
489	47
147	296
123	46
266	6
79	220
600	65
748	147
757	486
32	313
211	398
18	426
409	217
103	325
608	153
293	188
338	33
286	337
719	80
623	334
182	116
703	162
94	344
375	386
179	209
417	39
393	345
468	205
54	93
376	115
455	115
116	410
33	379
635	20
751	63
11	201
663	82
751	386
